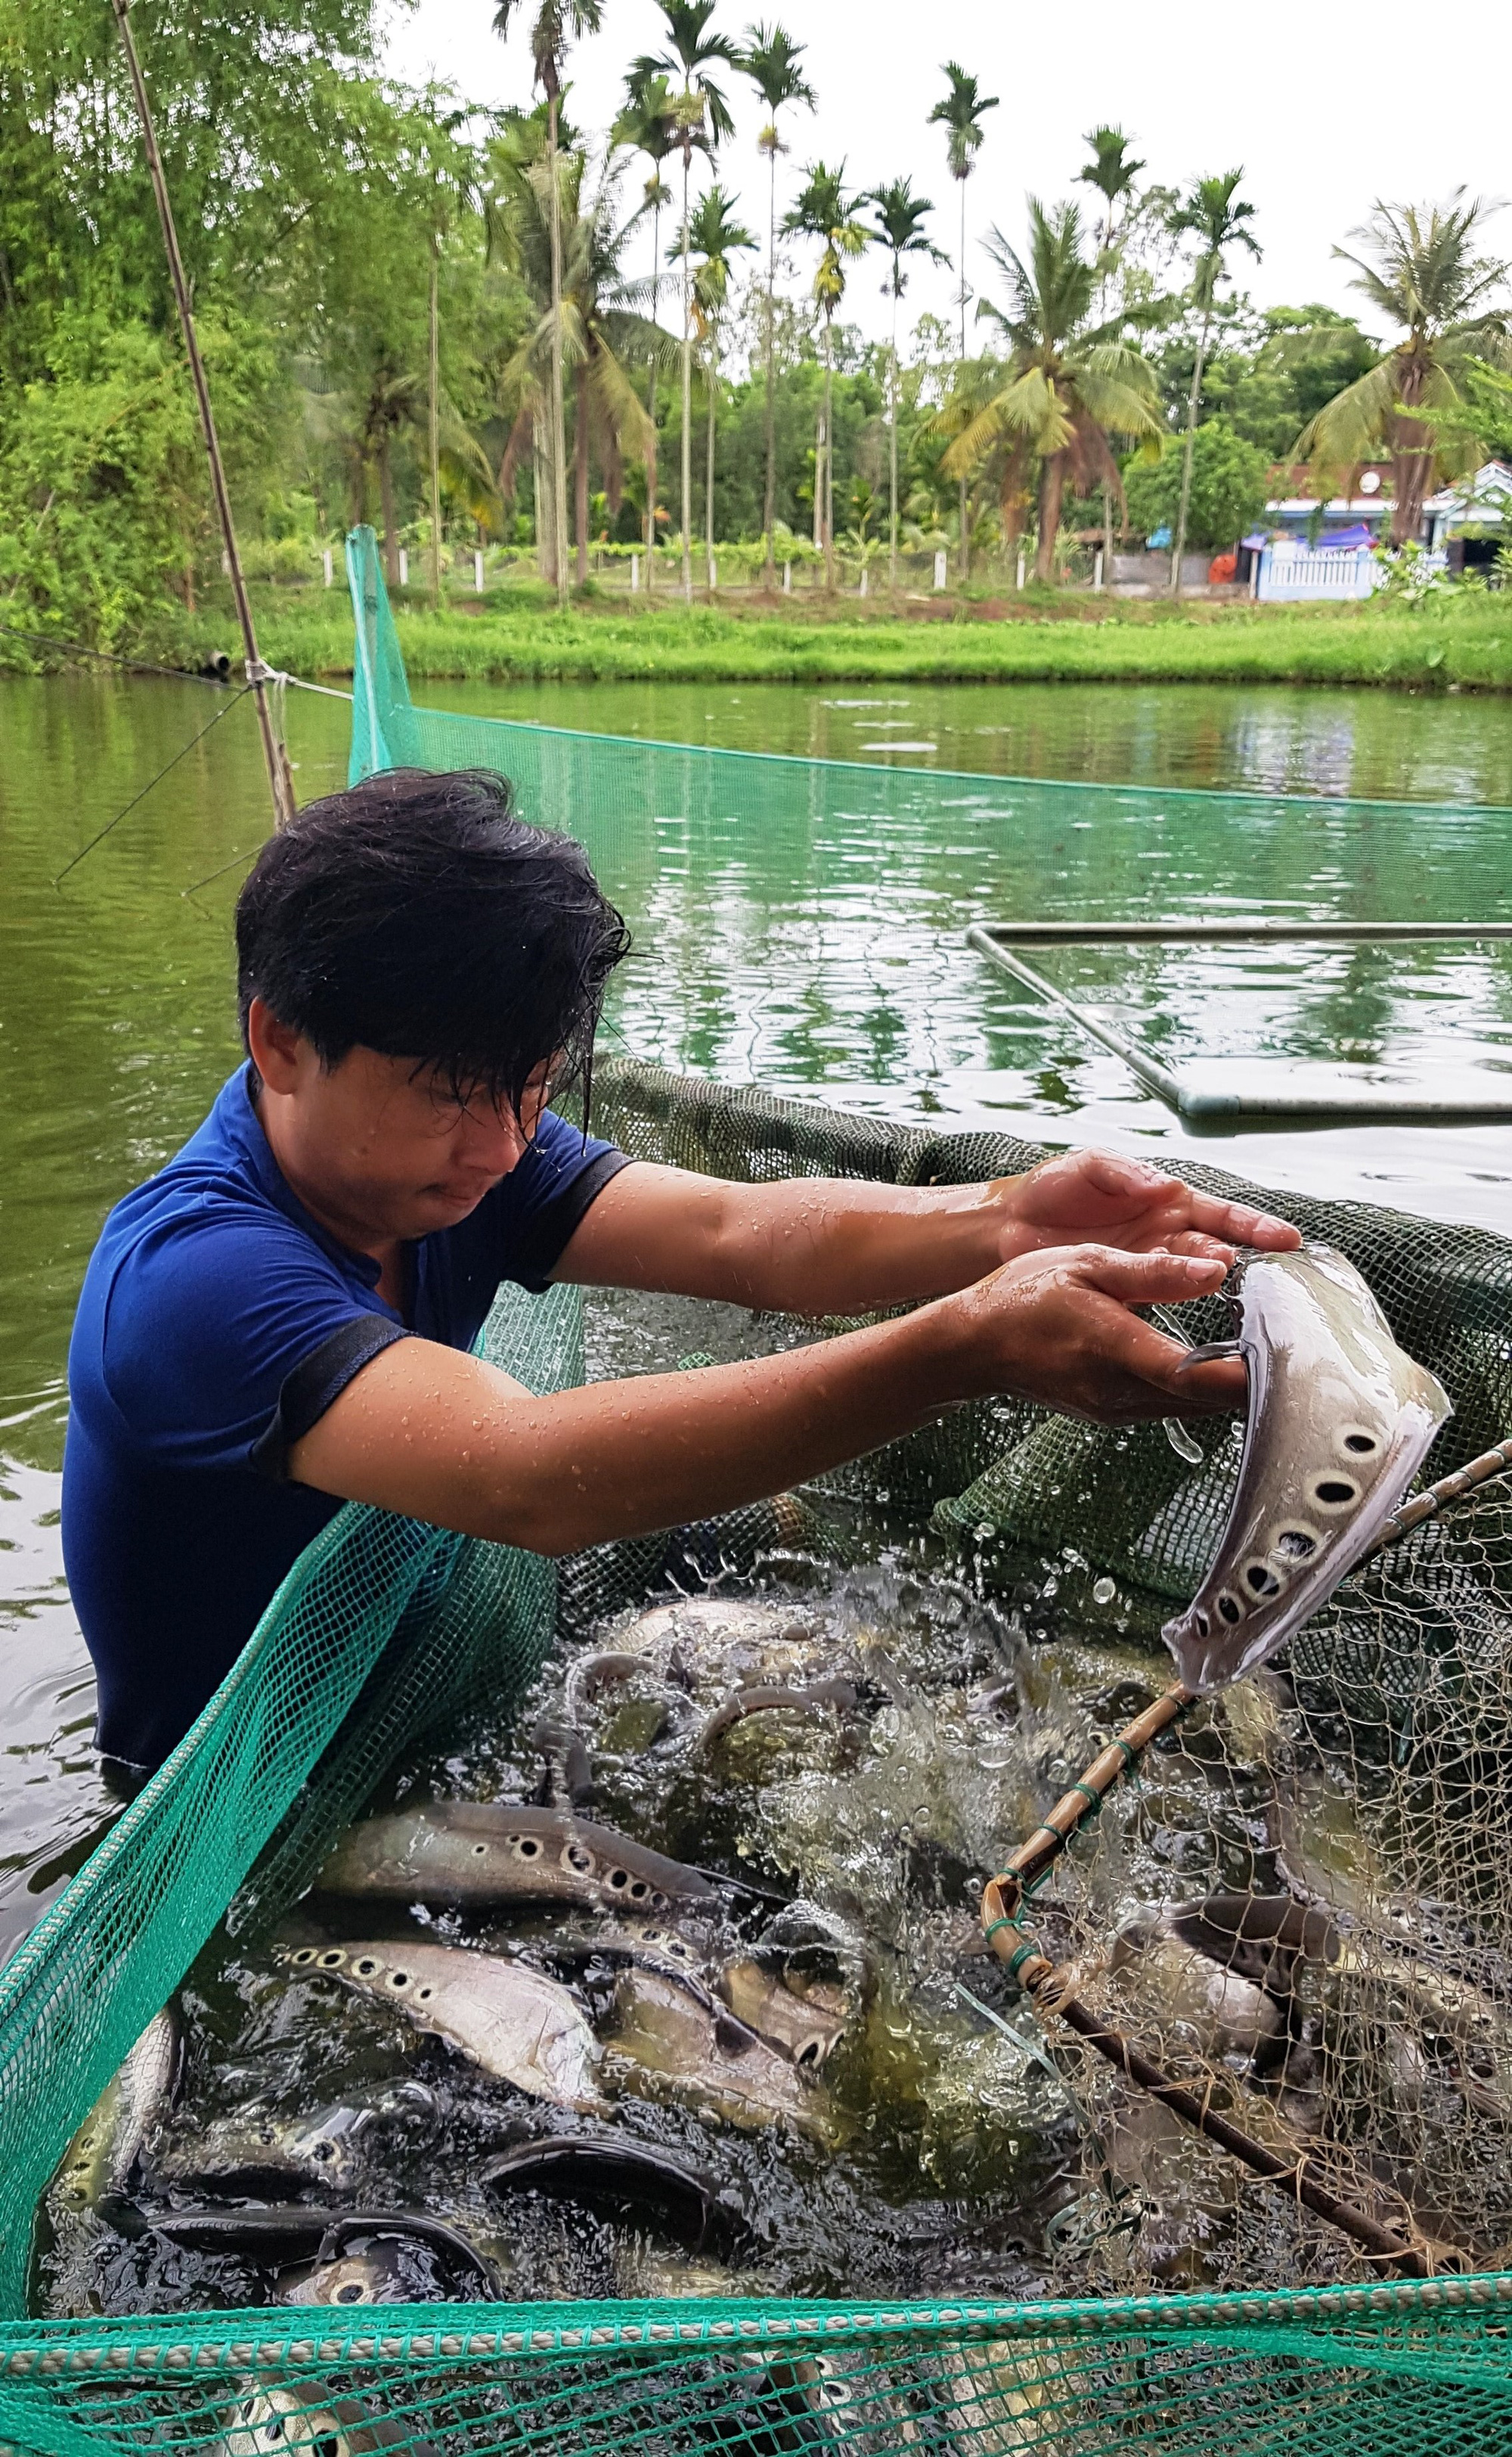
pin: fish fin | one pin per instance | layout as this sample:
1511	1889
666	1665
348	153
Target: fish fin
1211	1353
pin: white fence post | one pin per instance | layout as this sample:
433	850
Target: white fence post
939	567
1096	569
1020	581
713	574
787	580
635	573
862	590
477	569
328	566
404	567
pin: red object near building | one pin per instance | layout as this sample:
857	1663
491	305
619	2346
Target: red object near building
1222	569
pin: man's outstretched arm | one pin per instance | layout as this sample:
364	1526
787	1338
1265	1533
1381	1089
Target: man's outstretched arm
444	1437
823	1246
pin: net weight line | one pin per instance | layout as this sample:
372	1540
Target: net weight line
1006	1897
996	941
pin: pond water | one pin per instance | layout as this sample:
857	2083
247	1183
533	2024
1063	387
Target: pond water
823	957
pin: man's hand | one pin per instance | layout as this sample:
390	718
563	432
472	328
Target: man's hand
1055	1326
1128	1204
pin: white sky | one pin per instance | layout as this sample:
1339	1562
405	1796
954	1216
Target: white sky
1326	108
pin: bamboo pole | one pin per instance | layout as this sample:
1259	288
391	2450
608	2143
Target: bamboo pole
258	675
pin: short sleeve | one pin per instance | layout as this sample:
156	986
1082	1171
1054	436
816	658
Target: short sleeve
546	1196
227	1333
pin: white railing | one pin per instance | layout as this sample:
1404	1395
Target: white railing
1300	571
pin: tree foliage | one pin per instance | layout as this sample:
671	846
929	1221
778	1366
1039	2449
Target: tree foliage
1230	484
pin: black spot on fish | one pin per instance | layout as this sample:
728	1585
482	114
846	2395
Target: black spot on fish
1296	1543
1361	1444
1204	1625
1335	1492
1230	1608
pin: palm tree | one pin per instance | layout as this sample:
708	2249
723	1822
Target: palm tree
770	61
646	124
717	236
1112	170
600	323
1216	217
899	226
960	114
1069	383
824	212
557	22
701	117
454	185
1421	269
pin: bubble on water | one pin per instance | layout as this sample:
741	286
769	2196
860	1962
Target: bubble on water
1104	1591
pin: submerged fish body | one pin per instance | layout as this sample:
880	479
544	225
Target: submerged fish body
717	1641
706	2055
264	2147
802	2023
100	2157
1194	2000
520	2027
275	2421
495	1851
1339	1420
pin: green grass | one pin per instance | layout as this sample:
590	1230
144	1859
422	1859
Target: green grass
1041	638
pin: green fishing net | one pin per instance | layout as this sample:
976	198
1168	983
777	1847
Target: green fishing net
1375	1773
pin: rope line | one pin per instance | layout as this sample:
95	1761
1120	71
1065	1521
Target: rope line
101	833
104	657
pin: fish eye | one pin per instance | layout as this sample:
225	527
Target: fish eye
1230	1608
1359	1441
354	2292
1333	1492
327	2446
332	1961
1260	1579
366	1966
1293	1542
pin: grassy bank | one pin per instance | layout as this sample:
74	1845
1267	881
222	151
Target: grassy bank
1063	640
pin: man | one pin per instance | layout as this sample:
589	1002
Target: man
281	1319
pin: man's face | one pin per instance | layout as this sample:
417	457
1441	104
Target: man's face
377	1150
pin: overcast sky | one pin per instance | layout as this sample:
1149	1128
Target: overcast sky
1325	108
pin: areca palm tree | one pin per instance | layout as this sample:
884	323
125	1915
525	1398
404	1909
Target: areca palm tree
646	124
960	114
1070	383
1422	268
1112	171
824	212
557	24
899	217
1215	216
701	117
770	61
717	236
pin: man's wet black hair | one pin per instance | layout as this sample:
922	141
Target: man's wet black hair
416	915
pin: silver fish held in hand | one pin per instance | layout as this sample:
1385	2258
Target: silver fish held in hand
518	2026
458	1851
1339	1420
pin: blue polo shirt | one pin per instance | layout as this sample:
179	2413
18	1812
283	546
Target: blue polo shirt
216	1323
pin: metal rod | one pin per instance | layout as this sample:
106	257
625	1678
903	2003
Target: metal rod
1214	1109
1149	1071
279	778
1301	2175
1218	934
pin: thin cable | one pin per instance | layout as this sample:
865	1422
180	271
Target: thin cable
234	863
103	656
323	689
120	815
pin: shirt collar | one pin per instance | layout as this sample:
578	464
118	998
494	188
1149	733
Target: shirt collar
238	1121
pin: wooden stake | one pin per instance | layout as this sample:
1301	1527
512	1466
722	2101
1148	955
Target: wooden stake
258	675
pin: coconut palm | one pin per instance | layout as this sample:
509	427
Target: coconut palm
601	325
557	24
646	124
1215	215
1423	269
960	114
899	217
1070	385
455	186
825	212
771	60
701	117
716	236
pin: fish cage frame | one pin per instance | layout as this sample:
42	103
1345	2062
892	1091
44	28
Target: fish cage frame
1212	1110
